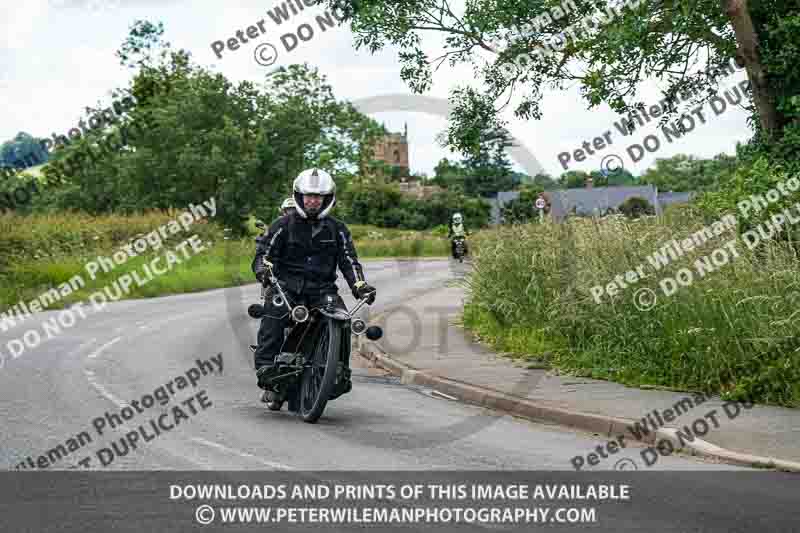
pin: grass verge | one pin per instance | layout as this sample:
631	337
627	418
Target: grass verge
734	330
39	253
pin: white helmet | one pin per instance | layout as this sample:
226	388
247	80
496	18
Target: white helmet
289	203
315	181
457	218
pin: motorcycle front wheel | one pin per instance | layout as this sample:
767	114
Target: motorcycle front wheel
319	378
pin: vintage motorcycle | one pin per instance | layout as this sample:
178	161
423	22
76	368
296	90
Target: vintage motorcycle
313	365
460	248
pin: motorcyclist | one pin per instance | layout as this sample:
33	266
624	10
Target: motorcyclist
457	230
303	250
287	206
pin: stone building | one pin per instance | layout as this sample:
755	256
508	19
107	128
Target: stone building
393	150
591	201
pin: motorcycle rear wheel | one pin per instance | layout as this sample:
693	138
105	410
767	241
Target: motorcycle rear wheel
319	379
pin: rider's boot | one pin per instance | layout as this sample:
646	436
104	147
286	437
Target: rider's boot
273	400
266	371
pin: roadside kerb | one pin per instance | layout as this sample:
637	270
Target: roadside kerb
496	400
600	424
706	449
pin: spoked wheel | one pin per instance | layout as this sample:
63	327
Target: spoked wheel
319	378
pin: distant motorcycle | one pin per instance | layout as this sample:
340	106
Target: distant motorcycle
460	248
312	367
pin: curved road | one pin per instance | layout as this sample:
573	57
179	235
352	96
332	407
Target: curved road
52	393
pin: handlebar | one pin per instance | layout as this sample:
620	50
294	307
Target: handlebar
274	282
284	300
360	304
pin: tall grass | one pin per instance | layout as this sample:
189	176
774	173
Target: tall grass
80	236
735	331
40	252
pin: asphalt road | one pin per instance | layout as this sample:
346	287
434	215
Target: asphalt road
51	394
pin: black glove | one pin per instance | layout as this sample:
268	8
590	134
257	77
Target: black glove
261	273
362	290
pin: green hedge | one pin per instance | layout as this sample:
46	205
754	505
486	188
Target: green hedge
386	206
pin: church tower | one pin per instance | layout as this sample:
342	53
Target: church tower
392	149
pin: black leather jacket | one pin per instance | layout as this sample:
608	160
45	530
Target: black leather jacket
305	262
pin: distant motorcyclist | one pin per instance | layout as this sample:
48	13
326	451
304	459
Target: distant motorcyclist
455	231
288	206
303	250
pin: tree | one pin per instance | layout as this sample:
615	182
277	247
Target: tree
618	178
635	207
573	179
635	40
205	136
682	173
385	206
22	151
488	167
522	209
398	172
544	181
449	174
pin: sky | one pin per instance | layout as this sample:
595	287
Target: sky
57	56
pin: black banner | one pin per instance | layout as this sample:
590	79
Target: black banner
399	501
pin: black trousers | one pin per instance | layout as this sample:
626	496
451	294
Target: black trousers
276	319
